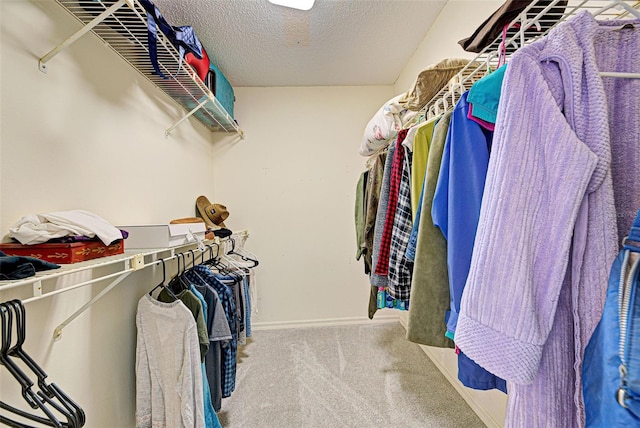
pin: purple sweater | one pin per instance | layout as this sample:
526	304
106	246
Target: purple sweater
561	191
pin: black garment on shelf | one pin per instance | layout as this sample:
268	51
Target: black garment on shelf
491	28
19	267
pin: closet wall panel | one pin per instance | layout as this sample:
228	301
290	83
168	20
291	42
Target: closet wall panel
292	182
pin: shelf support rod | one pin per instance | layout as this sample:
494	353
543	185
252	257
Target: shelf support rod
57	333
42	63
198	107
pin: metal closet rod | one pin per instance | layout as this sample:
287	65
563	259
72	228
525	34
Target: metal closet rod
121	275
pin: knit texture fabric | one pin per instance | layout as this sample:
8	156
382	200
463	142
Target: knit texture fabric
548	228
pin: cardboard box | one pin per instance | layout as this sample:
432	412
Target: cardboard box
163	235
65	253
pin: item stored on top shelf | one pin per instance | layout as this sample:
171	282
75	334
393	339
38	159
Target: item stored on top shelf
65	253
221	88
164	235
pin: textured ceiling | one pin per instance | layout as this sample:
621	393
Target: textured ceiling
337	42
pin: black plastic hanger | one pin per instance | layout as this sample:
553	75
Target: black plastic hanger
48	392
162	283
242	256
34	400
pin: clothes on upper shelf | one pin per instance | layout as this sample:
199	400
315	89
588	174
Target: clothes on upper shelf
19	267
491	28
458	197
39	228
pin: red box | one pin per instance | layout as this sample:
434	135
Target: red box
65	253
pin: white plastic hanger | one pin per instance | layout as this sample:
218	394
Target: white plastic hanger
620	4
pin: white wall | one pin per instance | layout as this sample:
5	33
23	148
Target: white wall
292	183
457	20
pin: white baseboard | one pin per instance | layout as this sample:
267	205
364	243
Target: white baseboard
467	394
323	322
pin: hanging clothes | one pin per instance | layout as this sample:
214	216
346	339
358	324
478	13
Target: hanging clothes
422	140
202	277
169	389
195	306
430	286
455	211
210	417
360	213
458	197
376	280
219	334
560	193
484	98
382	265
420	151
372	199
400	267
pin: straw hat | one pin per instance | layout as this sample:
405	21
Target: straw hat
212	214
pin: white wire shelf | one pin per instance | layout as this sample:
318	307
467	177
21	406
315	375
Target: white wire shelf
122	25
115	268
535	21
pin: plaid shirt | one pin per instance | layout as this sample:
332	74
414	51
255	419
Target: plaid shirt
204	276
382	265
400	267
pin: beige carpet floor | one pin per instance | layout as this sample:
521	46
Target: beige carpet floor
360	376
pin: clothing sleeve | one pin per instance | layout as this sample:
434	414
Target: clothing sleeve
143	378
220	331
203	333
537	178
458	198
192	392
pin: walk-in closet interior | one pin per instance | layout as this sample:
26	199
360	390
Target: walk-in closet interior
178	238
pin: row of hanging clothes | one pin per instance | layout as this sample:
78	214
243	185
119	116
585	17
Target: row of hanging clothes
48	403
189	330
495	223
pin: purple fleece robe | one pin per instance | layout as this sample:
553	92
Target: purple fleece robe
561	191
